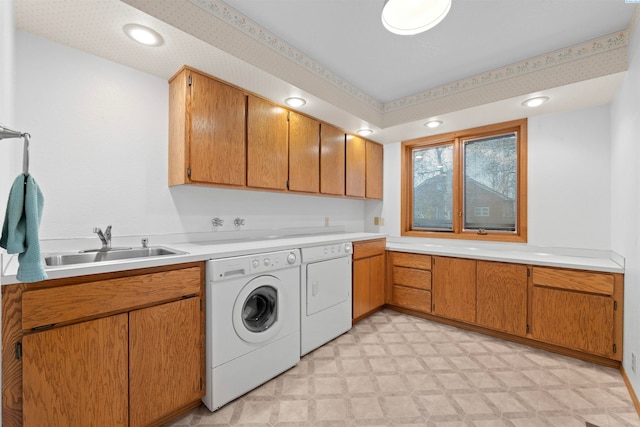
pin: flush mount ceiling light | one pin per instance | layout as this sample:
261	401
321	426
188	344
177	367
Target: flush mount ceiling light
364	132
143	35
433	123
407	17
295	102
535	102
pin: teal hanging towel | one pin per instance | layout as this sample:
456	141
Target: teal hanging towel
20	228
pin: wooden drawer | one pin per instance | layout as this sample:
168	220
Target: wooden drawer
65	304
403	259
411	298
412	277
596	283
369	248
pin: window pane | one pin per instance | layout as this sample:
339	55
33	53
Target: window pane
432	185
490	184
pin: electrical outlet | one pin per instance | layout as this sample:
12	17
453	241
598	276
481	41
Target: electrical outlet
326	221
633	362
381	221
376	220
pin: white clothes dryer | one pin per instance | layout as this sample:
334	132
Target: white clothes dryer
252	321
325	294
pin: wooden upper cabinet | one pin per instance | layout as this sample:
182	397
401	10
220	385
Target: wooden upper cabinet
304	153
355	166
267	145
502	297
206	131
332	160
373	181
454	288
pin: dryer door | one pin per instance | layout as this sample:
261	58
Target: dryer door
328	284
256	312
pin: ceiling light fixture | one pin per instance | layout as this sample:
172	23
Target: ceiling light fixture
364	132
433	123
407	17
535	102
143	35
295	102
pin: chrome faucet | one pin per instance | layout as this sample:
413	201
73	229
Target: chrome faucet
105	238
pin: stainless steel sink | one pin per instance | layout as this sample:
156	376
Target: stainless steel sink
51	260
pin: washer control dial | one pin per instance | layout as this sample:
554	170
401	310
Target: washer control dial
255	263
291	258
266	262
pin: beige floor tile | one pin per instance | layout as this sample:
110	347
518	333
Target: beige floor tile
329	385
331	409
360	384
293	411
400	407
472	404
366	407
391	384
437	404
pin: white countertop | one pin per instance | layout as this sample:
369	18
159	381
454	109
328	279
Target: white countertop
195	251
581	259
605	261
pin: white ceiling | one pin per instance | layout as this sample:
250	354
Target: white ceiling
348	38
473	69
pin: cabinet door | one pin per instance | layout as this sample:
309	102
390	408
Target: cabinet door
332	160
304	153
217	149
267	134
454	288
356	161
502	297
77	375
361	288
573	319
373	179
376	282
165	366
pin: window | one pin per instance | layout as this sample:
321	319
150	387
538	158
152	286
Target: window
468	185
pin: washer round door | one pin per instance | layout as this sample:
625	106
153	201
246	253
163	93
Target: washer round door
256	312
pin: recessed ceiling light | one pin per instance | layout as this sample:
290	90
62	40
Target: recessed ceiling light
142	34
364	132
295	102
407	17
535	102
433	123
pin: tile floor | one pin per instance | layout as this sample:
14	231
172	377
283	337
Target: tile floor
392	369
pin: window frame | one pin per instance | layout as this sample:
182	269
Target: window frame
457	140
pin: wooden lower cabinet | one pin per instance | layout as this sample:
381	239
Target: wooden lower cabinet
117	349
368	277
164	360
502	297
575	312
578	310
454	288
77	375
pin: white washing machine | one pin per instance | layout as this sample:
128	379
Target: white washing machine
253	327
325	294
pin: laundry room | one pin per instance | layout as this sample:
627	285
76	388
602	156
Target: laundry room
100	113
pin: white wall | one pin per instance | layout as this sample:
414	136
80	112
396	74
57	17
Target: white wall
99	153
625	196
568	184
